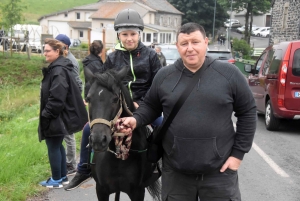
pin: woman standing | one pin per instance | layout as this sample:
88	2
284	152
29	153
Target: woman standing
62	110
93	62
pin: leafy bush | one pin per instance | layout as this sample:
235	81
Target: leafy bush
243	47
84	46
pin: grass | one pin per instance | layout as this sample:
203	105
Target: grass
35	9
24	160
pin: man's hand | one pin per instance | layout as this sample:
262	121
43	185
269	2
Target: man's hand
231	163
135	105
127	124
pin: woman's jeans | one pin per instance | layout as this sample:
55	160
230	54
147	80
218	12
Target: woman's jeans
57	157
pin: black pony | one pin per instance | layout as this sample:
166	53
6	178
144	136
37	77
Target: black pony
119	163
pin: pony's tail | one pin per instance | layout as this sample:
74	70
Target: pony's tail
155	190
117	196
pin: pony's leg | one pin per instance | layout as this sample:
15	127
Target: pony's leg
101	194
137	194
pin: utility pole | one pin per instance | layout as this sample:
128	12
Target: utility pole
228	41
214	22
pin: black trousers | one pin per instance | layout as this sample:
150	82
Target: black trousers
215	186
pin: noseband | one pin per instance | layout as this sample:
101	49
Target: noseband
122	140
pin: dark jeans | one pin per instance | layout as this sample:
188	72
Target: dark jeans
214	186
57	157
82	166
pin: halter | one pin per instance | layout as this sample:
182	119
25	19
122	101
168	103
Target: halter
122	140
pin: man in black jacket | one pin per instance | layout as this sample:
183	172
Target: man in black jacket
202	150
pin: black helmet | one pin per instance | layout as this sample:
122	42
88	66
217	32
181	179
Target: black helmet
128	18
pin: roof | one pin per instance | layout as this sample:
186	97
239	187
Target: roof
158	5
89	7
109	10
79	25
159	28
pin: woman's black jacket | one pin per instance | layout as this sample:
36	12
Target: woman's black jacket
94	64
62	110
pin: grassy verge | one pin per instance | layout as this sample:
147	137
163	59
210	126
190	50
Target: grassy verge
24	160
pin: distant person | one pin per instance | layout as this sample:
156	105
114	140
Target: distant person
161	56
70	139
62	110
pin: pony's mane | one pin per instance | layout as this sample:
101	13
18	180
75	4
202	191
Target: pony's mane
111	80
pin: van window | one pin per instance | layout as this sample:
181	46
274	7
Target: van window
277	58
296	63
259	62
268	62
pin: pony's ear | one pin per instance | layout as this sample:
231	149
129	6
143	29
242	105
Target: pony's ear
123	72
88	74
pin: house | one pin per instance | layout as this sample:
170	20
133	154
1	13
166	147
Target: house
285	21
95	21
261	20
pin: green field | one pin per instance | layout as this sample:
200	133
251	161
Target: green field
35	9
24	160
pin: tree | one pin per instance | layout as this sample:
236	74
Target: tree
252	7
201	12
12	15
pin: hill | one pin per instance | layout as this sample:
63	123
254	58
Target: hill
35	9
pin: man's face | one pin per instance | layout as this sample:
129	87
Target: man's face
192	49
129	39
157	51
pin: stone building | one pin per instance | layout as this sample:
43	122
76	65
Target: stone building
285	21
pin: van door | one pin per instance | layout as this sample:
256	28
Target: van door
257	83
292	92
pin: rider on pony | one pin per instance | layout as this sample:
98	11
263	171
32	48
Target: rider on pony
143	62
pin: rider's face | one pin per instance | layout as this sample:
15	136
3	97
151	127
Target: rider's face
129	39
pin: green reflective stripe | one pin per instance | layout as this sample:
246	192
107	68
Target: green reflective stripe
132	71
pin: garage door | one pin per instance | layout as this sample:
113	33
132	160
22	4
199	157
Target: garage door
56	28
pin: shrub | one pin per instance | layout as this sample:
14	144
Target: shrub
243	47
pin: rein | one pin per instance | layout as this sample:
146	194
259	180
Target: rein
122	141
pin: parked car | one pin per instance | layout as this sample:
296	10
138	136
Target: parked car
265	33
232	20
35	45
222	55
75	42
242	28
275	83
233	25
258	31
170	52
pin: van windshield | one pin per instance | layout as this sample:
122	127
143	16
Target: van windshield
296	63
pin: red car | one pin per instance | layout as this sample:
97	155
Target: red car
275	83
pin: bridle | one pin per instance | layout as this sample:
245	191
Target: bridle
122	140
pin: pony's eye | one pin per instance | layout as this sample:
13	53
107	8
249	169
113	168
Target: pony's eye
115	100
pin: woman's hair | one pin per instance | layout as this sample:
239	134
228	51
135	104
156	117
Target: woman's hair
56	45
96	47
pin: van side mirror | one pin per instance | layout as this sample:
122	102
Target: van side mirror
248	68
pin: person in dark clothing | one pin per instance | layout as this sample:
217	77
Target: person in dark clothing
129	53
93	62
161	56
62	110
202	150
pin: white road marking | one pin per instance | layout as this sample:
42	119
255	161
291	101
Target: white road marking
271	163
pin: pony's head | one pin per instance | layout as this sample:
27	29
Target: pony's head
105	102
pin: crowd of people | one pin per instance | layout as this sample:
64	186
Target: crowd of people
202	150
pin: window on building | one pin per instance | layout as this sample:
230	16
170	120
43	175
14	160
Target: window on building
77	16
81	34
155	37
169	21
148	37
101	25
175	22
161	21
66	14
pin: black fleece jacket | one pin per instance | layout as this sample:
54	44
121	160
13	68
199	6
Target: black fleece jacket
94	63
201	137
142	64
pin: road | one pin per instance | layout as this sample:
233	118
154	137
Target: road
269	172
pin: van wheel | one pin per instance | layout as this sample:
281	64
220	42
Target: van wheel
272	123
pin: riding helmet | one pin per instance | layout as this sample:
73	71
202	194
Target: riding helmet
128	18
